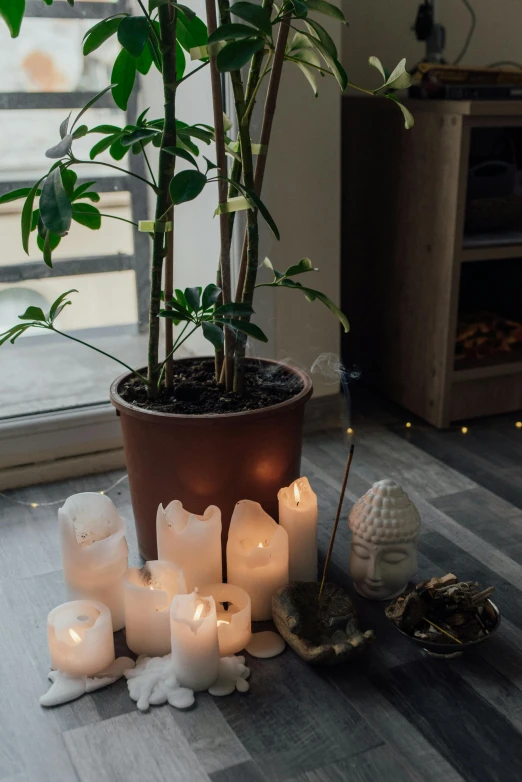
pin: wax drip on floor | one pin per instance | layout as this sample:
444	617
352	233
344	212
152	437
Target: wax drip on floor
266	644
67	688
153	682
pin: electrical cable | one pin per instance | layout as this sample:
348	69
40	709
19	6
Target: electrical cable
470	32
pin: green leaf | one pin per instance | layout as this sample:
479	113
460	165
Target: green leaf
304	265
103	144
100	33
323	36
175	315
144	61
14	332
326	8
80	132
186	186
232	32
27	215
64	125
191	33
87	215
307	61
236	54
47	248
14	195
299	41
234	308
210	295
61	149
409	121
399	78
122	77
246	328
312	295
56	305
210	164
69	179
256	203
47	243
110	129
117	150
91	102
182	153
55	206
192	297
33	313
254	14
376	63
139	134
81	189
300	9
133	33
12	12
214	334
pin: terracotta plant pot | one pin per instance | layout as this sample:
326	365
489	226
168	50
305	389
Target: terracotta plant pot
206	460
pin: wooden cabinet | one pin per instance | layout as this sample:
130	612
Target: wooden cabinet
403	250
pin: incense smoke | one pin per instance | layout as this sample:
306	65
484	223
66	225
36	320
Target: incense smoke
332	372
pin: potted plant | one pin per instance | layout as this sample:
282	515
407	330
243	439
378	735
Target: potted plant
201	431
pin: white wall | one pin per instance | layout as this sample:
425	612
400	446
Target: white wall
302	191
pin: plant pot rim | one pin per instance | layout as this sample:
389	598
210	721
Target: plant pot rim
138	412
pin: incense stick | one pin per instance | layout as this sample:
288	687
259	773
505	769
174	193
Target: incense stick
441	629
336	522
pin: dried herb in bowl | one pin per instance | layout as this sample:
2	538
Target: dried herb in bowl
444	611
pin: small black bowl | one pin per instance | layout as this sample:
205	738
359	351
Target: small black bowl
451	650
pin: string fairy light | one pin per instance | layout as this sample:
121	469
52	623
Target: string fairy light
14	501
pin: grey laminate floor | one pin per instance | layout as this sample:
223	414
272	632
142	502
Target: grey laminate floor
393	715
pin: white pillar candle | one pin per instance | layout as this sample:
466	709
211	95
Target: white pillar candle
147	595
191	542
234	625
80	638
298	516
194	639
94	551
257	556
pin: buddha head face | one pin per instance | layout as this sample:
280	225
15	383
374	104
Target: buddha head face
385	526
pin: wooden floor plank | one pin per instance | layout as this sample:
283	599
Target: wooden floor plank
461	725
134	747
376	764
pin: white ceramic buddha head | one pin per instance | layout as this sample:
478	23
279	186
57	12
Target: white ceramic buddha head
385	526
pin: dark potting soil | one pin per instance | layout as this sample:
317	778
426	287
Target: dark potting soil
197	393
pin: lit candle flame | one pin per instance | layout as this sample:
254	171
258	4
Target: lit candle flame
198	611
74	635
260	545
297	494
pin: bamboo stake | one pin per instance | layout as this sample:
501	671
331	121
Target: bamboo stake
224	260
167	21
169	292
336	522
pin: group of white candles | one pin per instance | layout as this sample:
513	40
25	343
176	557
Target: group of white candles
178	603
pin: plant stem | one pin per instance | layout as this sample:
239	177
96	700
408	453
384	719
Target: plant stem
98	350
219	130
167	22
177	345
115	217
151	172
169	258
117	168
193	72
266	131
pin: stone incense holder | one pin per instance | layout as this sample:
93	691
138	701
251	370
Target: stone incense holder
325	632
